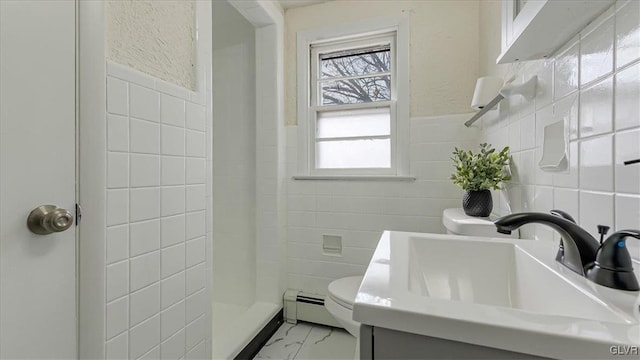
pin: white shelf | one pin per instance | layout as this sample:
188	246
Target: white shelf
542	27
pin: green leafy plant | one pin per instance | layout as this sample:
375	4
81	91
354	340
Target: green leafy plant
480	171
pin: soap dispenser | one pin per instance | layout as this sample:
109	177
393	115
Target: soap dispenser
613	266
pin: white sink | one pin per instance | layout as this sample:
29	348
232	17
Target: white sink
499	274
503	293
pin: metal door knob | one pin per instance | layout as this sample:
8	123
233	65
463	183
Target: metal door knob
47	219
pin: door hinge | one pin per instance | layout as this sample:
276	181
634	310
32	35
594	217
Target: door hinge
78	214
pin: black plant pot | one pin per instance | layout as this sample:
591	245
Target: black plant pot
477	203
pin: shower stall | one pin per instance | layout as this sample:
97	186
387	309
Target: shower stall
247	256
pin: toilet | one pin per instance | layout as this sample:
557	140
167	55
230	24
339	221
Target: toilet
458	223
339	303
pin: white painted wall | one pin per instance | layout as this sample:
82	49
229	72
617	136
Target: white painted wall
594	84
443	56
155	37
234	157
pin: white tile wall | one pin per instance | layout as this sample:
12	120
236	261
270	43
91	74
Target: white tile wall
156	279
598	188
359	211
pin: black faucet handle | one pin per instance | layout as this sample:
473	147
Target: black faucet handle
603	230
613	253
563	214
613	267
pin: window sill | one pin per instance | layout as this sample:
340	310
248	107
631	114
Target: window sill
354	177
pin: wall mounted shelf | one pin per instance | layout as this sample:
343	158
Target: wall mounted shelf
536	29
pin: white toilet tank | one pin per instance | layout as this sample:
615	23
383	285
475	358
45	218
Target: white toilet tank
458	223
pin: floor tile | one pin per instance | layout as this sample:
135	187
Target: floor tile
326	342
286	342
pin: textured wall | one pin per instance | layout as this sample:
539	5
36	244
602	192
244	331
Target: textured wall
444	48
155	37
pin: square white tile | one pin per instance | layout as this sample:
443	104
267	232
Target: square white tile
145	137
117	243
627	33
173	260
144	304
173	140
195	172
196	332
172	319
117	316
172	289
627	148
566	66
118	347
590	218
195	251
117	206
145	204
144	337
117	97
117	133
596	52
144	236
144	102
196	115
173	170
117	170
145	170
626	98
173	230
195	144
195	223
596	163
117	280
195	278
145	270
173	348
173	200
172	110
196	305
195	197
596	109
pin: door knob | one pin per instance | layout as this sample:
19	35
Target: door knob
47	219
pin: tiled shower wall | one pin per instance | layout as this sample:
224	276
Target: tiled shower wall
593	84
157	298
359	211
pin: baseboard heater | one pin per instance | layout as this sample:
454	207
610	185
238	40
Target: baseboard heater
300	306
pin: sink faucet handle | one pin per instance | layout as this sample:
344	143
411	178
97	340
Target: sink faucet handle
613	253
613	266
563	214
603	230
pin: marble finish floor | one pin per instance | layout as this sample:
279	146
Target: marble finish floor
307	341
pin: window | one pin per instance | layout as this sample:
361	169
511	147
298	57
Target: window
353	101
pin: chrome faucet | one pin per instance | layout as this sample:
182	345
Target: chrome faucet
608	264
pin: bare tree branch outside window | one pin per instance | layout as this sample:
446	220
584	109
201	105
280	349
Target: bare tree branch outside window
356	78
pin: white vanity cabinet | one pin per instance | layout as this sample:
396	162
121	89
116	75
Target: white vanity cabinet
534	29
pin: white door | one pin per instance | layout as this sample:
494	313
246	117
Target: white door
37	167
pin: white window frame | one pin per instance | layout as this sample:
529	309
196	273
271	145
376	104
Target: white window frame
393	30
